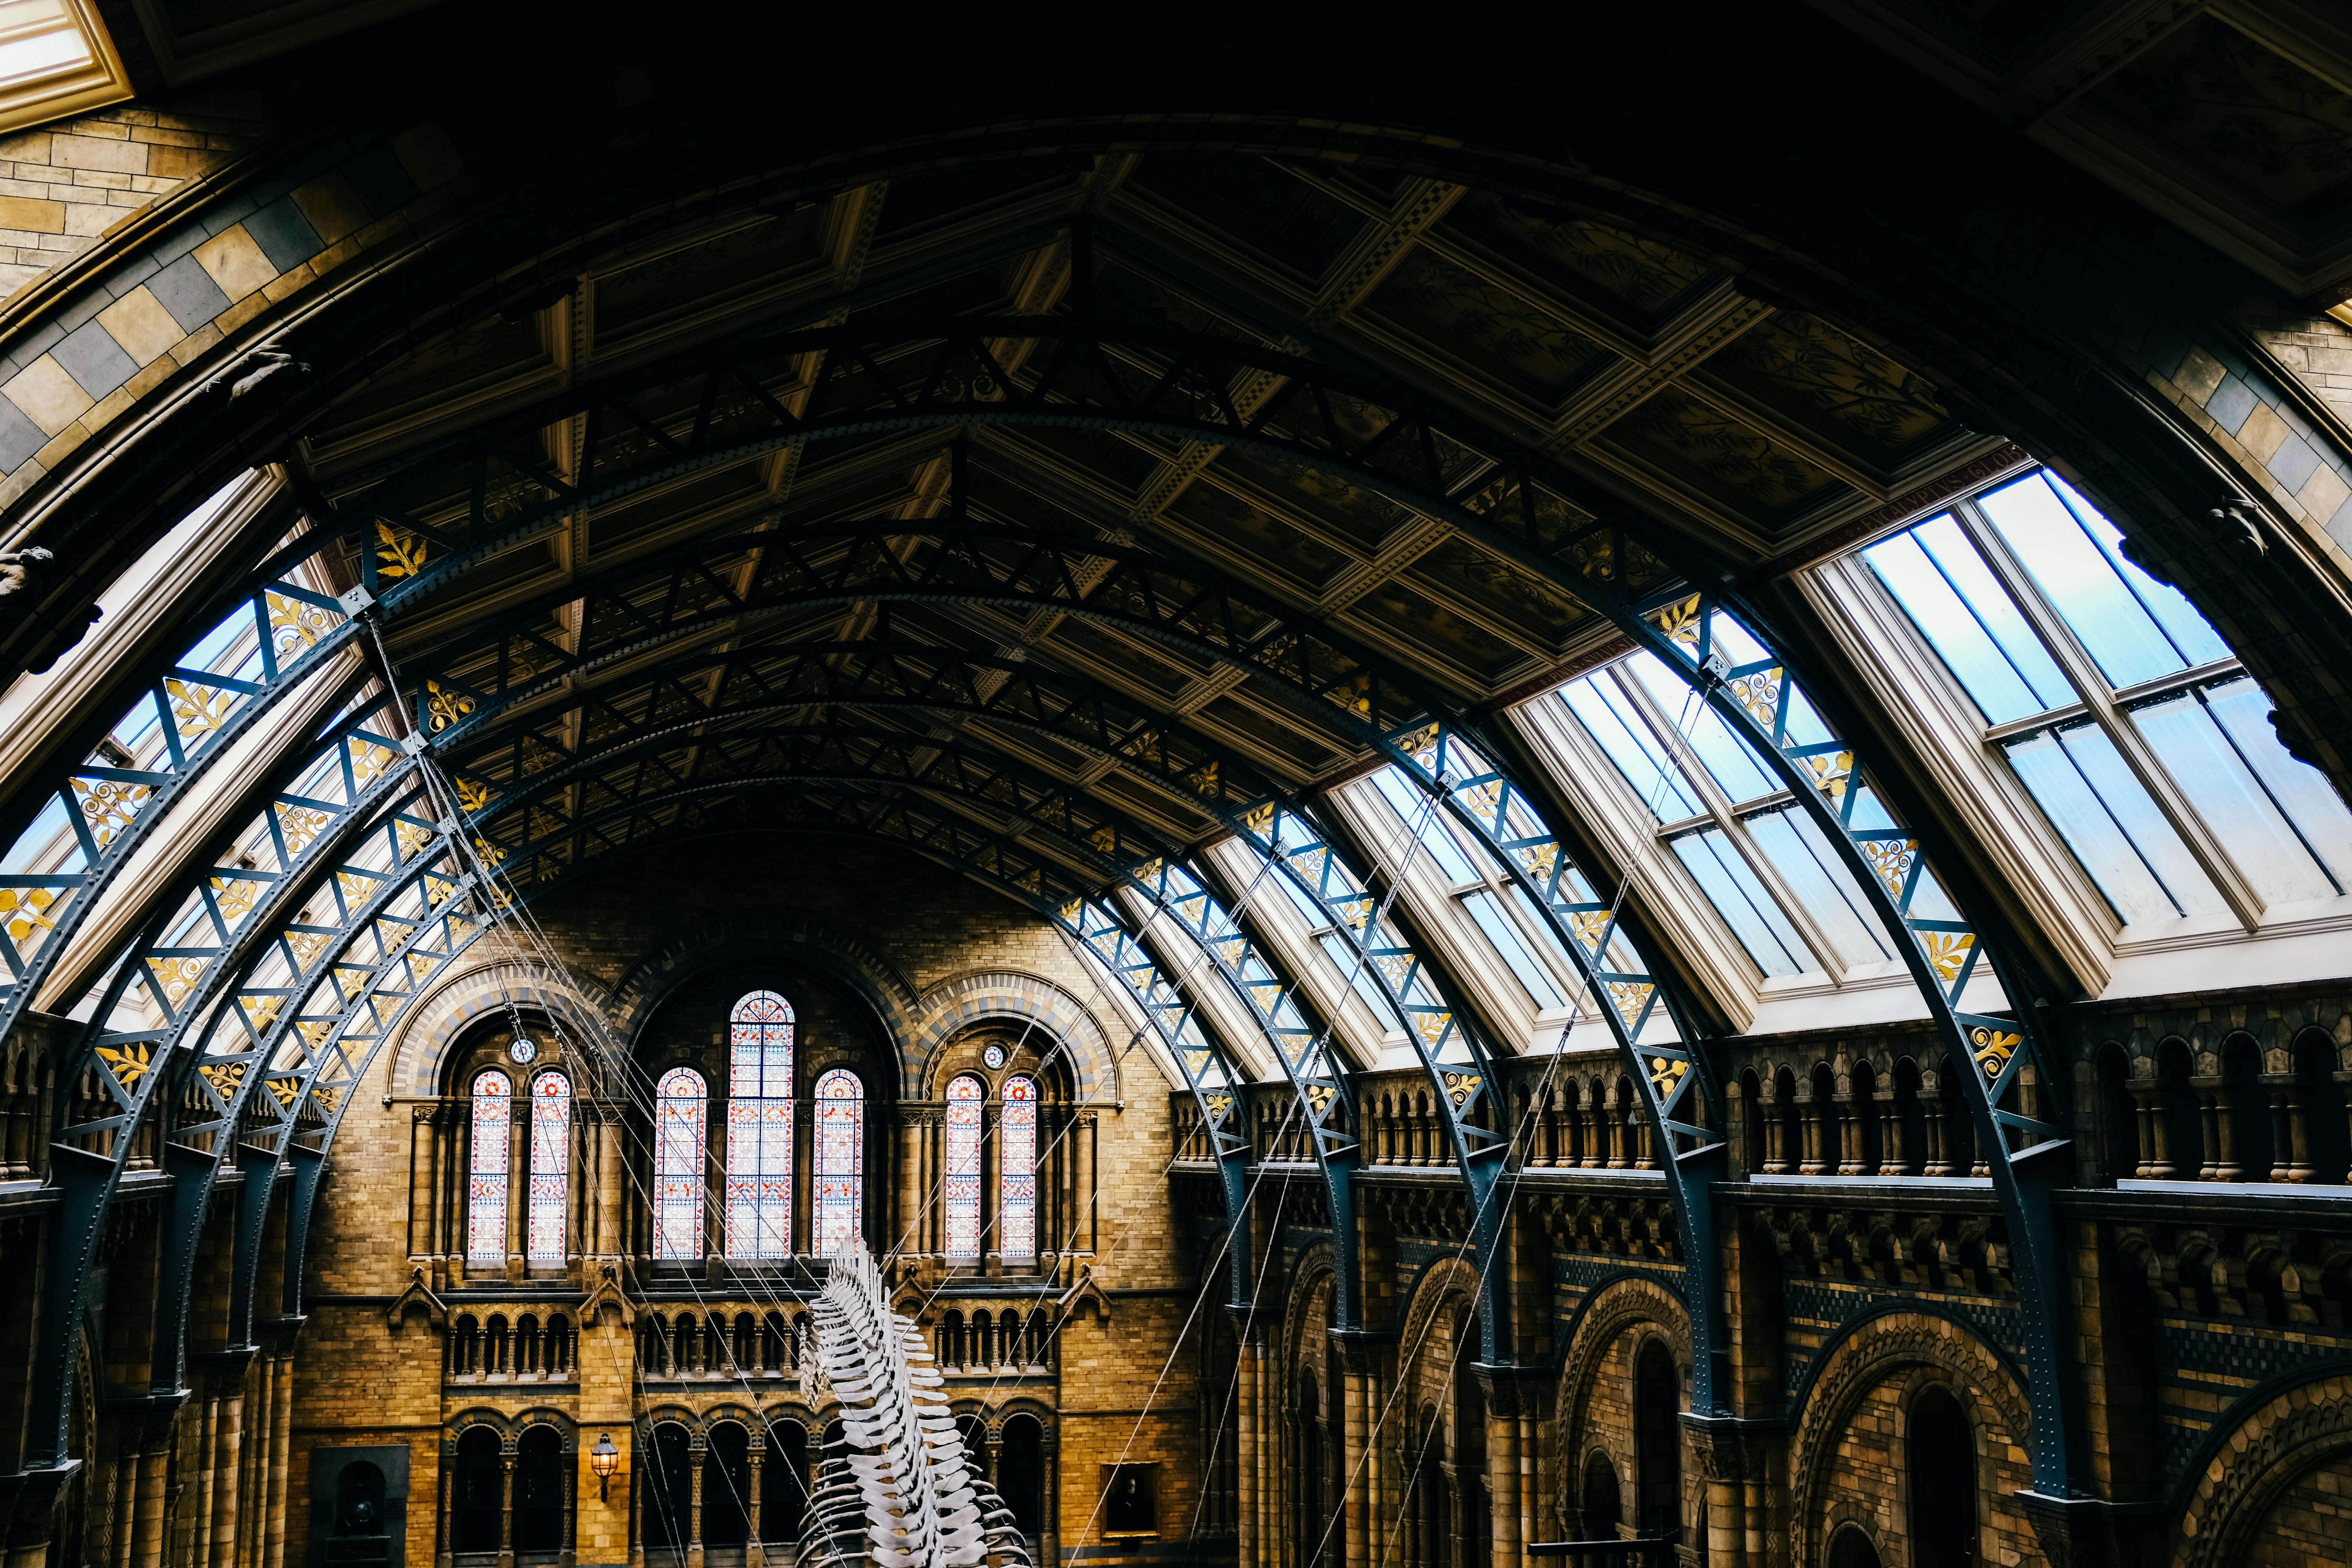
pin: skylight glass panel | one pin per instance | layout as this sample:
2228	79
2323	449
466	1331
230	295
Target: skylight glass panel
2115	830
1366	986
1532	977
1609	717
1743	902
2300	790
1975	627
2269	850
2136	628
1412	806
1727	758
1812	871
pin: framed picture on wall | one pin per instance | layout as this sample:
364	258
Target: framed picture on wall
1130	1501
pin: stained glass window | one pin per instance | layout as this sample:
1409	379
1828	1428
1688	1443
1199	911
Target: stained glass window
760	1127
1016	1182
840	1161
486	1173
551	1167
965	1107
680	1103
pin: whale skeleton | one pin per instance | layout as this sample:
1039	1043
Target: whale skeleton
898	1491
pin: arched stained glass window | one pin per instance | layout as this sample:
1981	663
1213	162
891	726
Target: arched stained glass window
486	1172
840	1161
551	1168
680	1103
966	1101
1016	1181
760	1127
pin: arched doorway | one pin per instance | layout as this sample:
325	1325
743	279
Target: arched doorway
1941	1462
1602	1501
1657	1439
666	1490
1021	1473
539	1492
726	1486
474	1514
1849	1548
784	1483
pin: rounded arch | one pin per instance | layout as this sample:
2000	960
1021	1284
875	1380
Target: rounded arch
422	1047
1652	1315
948	1009
829	949
1863	1355
1316	1269
2253	1454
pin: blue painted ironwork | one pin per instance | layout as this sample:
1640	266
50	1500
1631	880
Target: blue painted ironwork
1554	524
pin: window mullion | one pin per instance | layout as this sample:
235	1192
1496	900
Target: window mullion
2098	701
1726	819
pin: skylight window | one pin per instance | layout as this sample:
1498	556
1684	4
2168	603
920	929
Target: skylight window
55	59
2118	707
1770	874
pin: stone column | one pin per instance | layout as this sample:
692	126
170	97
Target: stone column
1503	1475
281	1440
2214	1113
1931	1112
2290	1144
451	1149
1776	1130
1894	1159
1809	1107
1246	1439
567	1527
519	1184
695	1452
1359	1396
420	1138
754	1462
147	1521
444	1546
1049	1540
200	1505
506	1503
2155	1153
1849	1122
1088	1223
228	1456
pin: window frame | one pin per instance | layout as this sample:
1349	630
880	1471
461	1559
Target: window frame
533	1258
950	1199
477	1199
66	90
700	1175
1964	760
760	1208
818	1174
1005	1174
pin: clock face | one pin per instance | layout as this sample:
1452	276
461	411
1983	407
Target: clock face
522	1050
994	1056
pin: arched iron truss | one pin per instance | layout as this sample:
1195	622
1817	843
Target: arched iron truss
415	522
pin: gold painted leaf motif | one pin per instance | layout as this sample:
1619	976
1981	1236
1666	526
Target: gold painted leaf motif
22	908
295	623
1993	1049
1947	952
199	710
129	1063
109	806
399	553
1680	622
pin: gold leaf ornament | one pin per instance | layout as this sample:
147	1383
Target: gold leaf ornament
1993	1049
295	623
129	1063
198	709
109	806
24	911
1947	952
399	553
